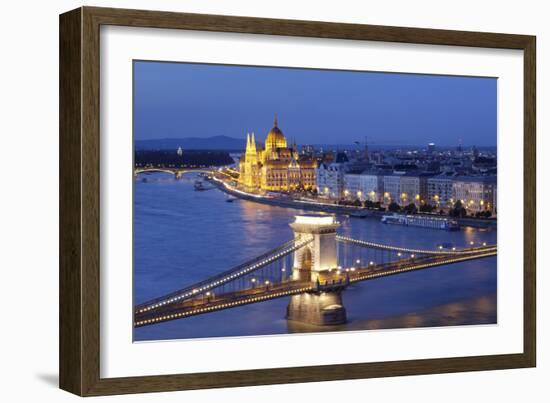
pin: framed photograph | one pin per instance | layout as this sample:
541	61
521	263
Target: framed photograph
250	201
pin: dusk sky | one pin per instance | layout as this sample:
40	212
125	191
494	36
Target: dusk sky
313	106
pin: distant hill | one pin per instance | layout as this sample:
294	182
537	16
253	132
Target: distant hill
192	143
227	143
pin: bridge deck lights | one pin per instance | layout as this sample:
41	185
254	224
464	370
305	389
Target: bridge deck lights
452	258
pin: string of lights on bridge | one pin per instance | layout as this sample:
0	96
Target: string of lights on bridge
297	245
179	171
229	277
356	277
223	306
453	251
366	276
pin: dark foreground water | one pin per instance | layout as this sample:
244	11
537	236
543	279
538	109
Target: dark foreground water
182	236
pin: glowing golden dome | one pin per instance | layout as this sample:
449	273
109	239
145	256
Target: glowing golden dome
275	138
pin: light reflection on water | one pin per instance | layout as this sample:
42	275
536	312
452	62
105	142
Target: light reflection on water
182	236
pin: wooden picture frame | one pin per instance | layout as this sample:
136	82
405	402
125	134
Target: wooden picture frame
79	346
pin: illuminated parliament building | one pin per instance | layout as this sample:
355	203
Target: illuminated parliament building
276	166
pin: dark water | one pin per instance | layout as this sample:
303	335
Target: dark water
182	236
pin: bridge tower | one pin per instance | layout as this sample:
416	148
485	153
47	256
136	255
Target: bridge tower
323	307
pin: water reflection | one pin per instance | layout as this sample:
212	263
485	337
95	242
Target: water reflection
474	311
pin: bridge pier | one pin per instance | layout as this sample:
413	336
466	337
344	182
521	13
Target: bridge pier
321	309
317	307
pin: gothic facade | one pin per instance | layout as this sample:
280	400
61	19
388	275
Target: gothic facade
275	167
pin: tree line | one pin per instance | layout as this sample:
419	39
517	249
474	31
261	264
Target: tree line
185	159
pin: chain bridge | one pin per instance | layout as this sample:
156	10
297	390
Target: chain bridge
313	269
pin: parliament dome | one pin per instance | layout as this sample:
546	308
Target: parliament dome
275	138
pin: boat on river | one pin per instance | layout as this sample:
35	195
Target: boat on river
359	214
443	223
199	186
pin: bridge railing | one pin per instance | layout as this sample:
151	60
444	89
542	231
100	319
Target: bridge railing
227	276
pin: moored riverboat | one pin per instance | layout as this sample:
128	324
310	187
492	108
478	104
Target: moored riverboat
442	223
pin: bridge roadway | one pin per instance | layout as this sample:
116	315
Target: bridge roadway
328	281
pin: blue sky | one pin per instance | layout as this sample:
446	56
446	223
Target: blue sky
313	106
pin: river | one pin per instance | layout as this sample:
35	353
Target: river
182	236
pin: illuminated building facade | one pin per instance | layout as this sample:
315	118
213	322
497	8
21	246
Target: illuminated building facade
475	193
440	191
276	166
372	185
331	177
392	188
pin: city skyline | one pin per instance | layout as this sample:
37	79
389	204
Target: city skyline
178	100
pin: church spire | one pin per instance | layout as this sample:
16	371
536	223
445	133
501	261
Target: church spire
275	120
253	143
248	143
